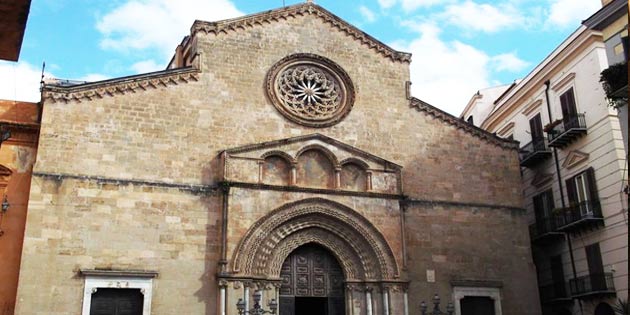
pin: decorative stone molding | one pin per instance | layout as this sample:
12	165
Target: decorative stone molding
531	108
117	279
460	124
563	82
310	90
119	86
237	24
363	251
540	179
574	158
460	292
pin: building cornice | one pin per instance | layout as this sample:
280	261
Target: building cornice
577	43
293	11
119	86
460	124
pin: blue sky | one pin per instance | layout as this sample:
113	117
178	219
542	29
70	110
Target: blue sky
458	46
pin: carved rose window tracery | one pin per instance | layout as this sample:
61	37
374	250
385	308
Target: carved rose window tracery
310	90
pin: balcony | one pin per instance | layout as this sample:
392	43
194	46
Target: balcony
534	153
556	292
544	231
562	132
586	214
592	285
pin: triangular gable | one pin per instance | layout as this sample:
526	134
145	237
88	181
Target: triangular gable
574	158
540	179
286	157
297	10
314	138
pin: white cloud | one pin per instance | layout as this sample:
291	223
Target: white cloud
482	17
146	66
566	13
386	3
158	24
93	77
20	81
412	5
367	14
445	74
509	62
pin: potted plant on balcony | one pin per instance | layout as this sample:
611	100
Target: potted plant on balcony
615	83
621	307
549	127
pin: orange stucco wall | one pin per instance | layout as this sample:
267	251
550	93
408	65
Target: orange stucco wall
18	155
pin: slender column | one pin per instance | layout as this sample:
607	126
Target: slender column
385	301
368	301
246	289
222	301
369	181
337	178
261	165
293	177
405	303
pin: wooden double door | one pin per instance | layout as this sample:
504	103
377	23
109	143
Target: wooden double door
312	283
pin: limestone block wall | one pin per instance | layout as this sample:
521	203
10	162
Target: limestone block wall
78	224
480	247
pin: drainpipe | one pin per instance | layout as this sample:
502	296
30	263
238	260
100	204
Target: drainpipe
555	156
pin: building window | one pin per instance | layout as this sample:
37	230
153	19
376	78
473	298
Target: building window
543	206
117	292
569	109
595	267
536	130
470	120
582	191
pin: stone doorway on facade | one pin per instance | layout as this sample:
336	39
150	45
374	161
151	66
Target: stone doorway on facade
312	283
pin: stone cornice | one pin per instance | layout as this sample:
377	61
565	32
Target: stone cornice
460	124
119	86
247	21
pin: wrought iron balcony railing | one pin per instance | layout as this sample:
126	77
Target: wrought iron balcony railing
593	284
564	132
544	230
555	292
577	216
534	152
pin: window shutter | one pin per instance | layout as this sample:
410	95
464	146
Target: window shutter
571	192
592	185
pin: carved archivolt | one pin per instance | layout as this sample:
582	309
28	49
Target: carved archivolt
360	248
310	90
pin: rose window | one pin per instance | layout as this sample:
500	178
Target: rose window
310	90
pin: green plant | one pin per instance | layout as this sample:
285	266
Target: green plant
613	80
621	307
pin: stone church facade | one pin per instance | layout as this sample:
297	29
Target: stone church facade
279	153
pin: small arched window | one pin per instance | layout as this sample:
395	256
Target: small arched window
353	177
276	171
315	169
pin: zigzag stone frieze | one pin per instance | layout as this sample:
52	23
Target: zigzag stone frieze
119	86
300	10
460	124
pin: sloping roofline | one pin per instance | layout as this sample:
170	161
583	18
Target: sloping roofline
541	72
314	136
301	9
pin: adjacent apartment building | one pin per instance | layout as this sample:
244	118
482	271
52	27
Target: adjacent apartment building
573	171
573	174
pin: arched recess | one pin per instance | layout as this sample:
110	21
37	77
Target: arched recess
360	248
316	167
354	175
277	168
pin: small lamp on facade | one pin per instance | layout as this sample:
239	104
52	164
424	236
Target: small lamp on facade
3	212
257	310
436	307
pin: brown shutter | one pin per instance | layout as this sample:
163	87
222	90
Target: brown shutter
571	191
592	185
